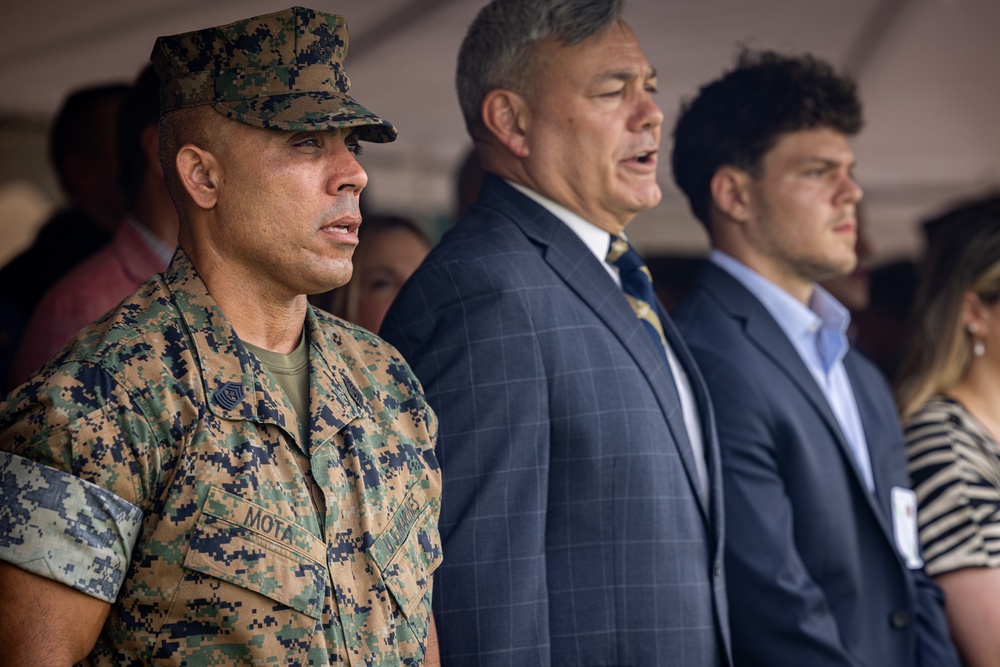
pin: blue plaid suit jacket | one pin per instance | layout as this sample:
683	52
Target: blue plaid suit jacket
573	531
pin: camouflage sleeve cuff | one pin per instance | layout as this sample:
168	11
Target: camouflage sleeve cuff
64	528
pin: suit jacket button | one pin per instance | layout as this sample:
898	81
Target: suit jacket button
899	619
717	570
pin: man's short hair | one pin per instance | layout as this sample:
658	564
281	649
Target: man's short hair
201	126
736	119
498	48
140	109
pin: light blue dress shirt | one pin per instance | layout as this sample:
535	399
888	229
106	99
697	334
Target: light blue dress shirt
819	335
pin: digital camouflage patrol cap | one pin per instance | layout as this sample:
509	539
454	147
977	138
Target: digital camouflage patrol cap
282	71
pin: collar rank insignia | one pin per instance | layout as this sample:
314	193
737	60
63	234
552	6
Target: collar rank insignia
229	395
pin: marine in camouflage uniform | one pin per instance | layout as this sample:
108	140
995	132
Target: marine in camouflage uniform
157	465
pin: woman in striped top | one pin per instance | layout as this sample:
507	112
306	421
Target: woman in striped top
949	398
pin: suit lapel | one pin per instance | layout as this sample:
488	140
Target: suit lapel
706	415
764	332
873	424
576	265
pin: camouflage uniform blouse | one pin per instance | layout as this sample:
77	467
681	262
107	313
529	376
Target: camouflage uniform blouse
155	462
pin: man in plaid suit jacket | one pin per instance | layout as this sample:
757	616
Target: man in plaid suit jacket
581	516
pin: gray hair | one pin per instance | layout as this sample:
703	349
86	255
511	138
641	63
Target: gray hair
497	49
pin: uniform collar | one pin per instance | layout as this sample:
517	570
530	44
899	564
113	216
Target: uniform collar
237	386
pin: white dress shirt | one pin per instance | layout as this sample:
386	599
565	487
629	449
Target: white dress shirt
598	241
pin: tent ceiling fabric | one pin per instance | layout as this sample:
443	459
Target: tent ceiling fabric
928	70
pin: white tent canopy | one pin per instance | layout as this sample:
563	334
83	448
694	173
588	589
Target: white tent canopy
928	70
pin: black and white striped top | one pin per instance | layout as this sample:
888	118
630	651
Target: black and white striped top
955	470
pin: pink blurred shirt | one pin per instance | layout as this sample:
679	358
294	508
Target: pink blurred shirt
89	290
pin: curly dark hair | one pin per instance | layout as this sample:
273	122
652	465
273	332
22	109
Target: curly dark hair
736	119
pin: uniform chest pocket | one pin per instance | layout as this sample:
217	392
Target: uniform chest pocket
408	552
240	542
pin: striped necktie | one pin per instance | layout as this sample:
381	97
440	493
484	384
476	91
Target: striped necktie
637	283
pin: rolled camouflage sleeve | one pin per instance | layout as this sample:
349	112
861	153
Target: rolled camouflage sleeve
73	478
64	528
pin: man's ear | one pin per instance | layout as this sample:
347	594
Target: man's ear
506	115
730	188
200	174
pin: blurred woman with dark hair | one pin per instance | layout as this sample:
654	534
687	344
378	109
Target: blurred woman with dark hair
949	397
390	248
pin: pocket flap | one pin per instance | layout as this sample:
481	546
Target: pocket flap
240	542
408	551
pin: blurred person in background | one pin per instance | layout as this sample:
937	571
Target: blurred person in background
883	328
853	290
11	325
879	298
673	276
949	396
82	152
141	246
390	248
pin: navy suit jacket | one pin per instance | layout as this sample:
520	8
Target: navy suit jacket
573	531
814	575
